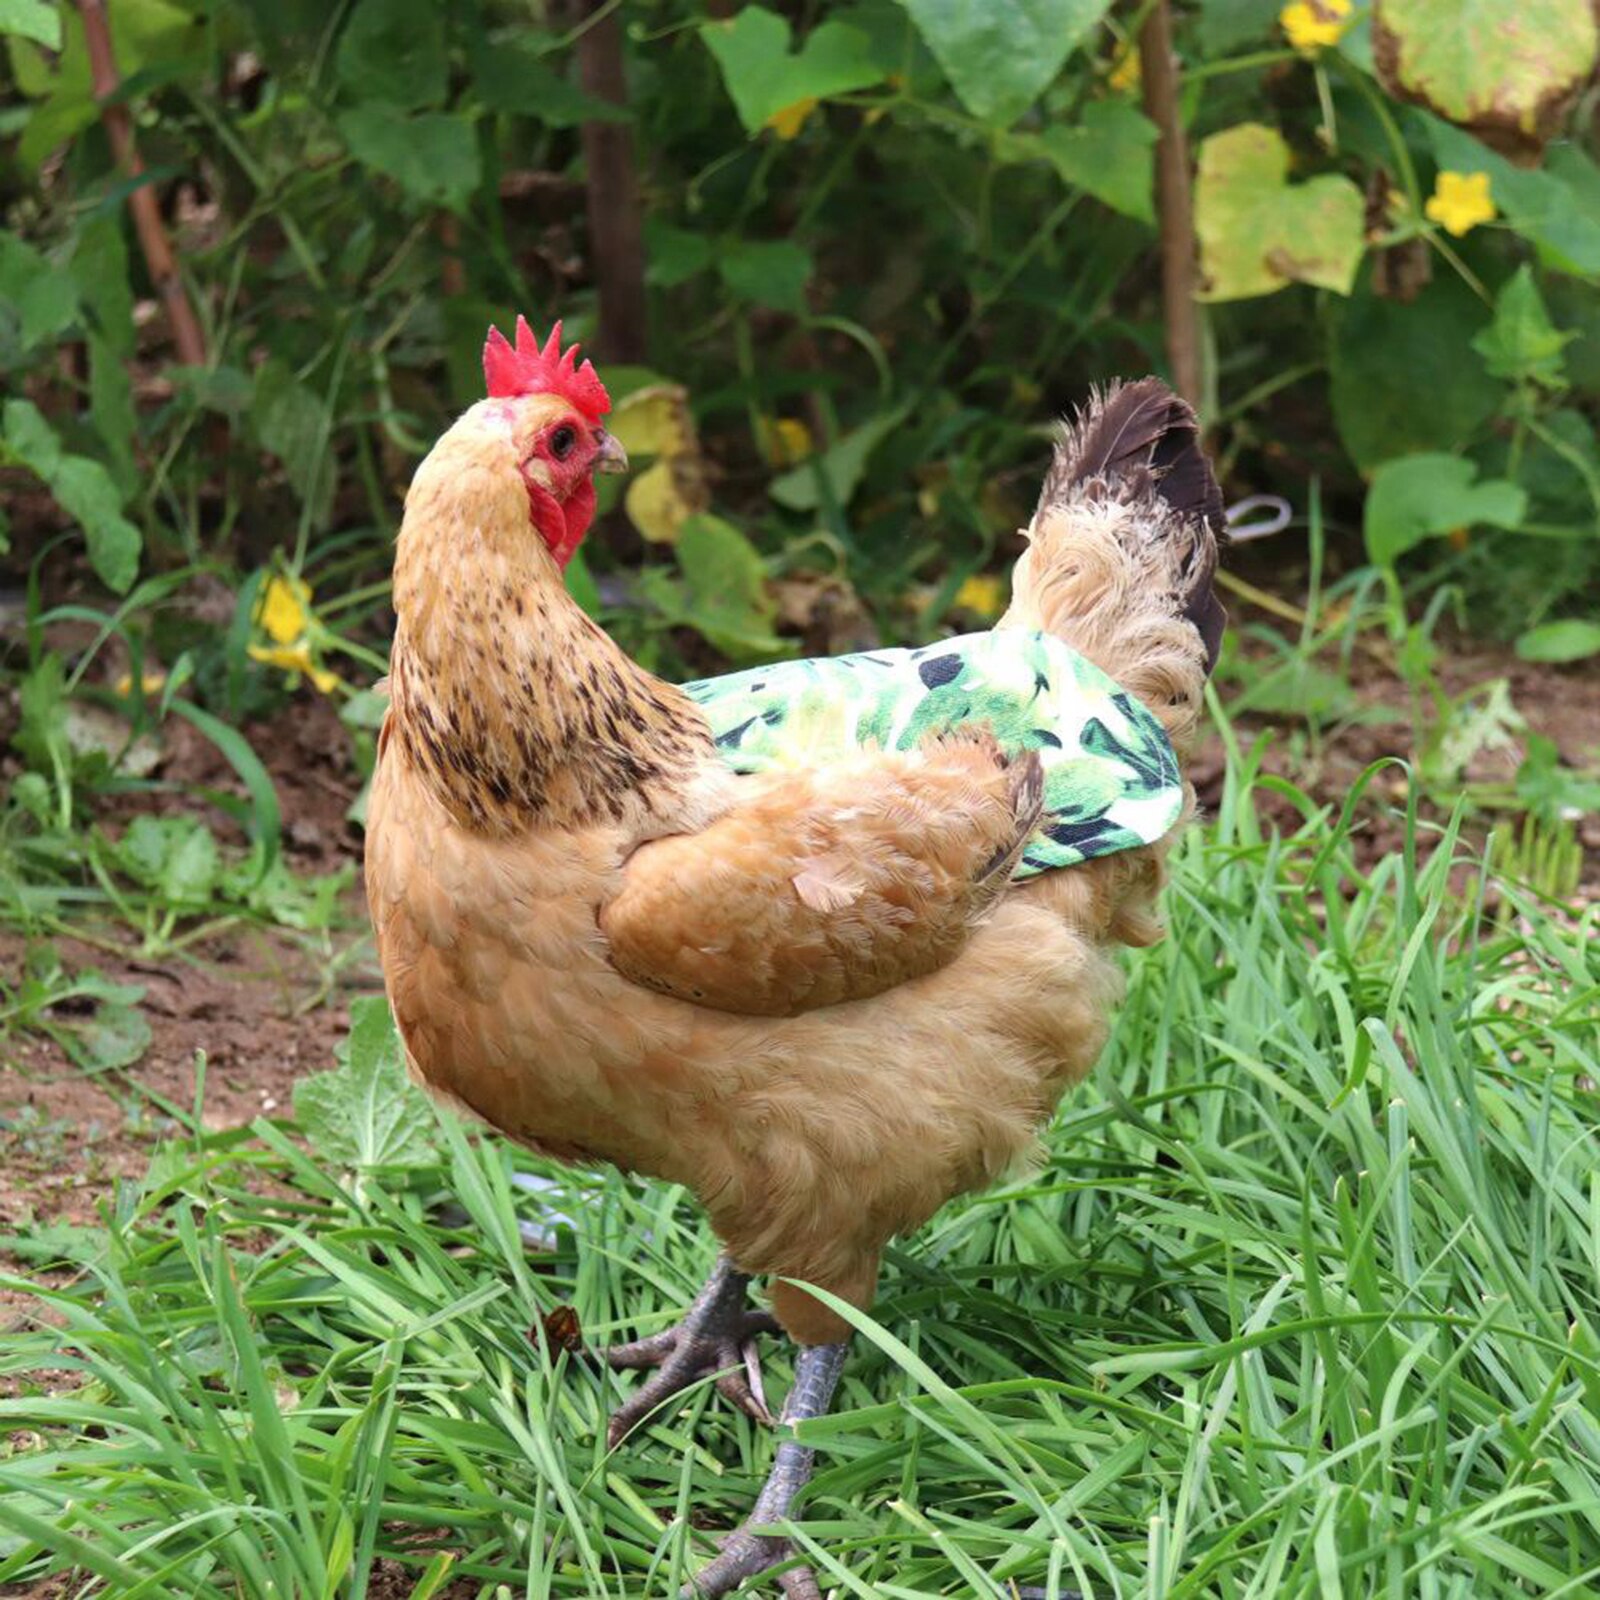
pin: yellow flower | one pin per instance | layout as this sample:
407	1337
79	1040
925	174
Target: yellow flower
785	441
790	119
983	594
1125	76
286	617
150	682
1460	201
1312	25
295	657
285	609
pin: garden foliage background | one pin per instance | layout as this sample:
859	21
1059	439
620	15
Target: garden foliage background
1312	1273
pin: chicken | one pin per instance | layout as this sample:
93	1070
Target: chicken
824	942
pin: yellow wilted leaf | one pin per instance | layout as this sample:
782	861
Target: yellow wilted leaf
656	421
653	421
656	505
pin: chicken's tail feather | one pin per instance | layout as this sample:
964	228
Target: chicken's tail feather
1122	550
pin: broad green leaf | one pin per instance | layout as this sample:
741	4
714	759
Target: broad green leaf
144	34
1001	58
1224	25
1404	377
722	593
366	1112
1506	68
394	51
841	464
114	1036
675	255
1110	153
1258	232
1418	496
764	78
190	872
511	75
431	156
1557	210
294	423
43	298
84	489
1522	343
32	19
1571	639
767	272
1547	787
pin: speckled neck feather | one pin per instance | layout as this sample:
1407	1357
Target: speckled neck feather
511	703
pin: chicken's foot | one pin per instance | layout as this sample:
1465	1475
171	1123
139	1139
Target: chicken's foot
716	1335
745	1551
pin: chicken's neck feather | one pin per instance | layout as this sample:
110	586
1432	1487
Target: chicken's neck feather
515	708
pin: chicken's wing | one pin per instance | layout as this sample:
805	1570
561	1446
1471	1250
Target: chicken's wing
830	884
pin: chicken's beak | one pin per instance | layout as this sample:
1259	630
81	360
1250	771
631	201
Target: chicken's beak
612	457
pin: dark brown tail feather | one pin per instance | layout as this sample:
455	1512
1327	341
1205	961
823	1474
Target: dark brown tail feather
1142	439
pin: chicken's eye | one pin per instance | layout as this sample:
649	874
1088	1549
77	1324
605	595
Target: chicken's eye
562	441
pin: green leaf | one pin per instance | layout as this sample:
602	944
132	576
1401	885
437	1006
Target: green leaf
1224	25
1502	69
367	1113
723	595
1001	58
512	76
394	51
32	19
1258	232
763	78
145	34
114	1036
43	298
1418	496
432	156
1572	639
1384	357
842	464
1522	343
294	423
1110	154
1557	210
767	272
1548	788
674	254
84	490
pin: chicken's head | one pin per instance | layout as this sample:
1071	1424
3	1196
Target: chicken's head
553	408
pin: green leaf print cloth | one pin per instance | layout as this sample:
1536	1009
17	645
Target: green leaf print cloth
1111	780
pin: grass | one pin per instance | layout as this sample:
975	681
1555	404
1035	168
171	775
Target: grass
1304	1302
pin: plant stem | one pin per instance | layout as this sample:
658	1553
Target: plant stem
153	241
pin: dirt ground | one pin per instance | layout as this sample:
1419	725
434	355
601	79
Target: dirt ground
267	1007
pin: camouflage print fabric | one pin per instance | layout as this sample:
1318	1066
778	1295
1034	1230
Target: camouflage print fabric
1111	778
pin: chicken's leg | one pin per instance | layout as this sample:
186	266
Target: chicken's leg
717	1335
746	1552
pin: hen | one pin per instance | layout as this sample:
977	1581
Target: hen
824	942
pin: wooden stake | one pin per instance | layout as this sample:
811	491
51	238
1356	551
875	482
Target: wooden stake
1174	204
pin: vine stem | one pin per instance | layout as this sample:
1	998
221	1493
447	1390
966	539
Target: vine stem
153	241
1174	205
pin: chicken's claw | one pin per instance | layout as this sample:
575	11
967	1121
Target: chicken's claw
716	1337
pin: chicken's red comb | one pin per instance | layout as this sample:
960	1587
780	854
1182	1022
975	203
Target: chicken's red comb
526	369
